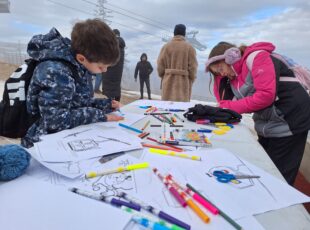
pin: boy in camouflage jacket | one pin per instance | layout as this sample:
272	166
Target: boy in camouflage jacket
60	99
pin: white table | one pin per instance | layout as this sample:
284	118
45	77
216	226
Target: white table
241	142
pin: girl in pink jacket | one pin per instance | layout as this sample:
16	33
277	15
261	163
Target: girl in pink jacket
249	79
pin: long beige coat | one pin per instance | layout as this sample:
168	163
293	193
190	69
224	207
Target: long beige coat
177	67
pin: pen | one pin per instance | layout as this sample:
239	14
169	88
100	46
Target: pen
118	170
105	199
154	210
148	224
171	153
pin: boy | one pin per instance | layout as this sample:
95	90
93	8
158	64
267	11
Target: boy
60	92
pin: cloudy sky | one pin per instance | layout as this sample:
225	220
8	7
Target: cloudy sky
144	22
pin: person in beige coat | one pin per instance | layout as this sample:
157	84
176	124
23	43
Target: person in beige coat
177	67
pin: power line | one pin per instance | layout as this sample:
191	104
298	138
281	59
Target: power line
85	12
137	19
138	15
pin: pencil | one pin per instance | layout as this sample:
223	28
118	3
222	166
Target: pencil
223	214
146	124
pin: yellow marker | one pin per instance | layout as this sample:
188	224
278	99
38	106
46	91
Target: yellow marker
118	170
219	123
171	153
224	127
219	131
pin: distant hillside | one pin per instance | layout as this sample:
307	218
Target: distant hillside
6	70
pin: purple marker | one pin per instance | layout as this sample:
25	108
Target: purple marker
154	211
120	203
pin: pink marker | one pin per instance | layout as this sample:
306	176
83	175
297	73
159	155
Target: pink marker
195	196
171	189
202	121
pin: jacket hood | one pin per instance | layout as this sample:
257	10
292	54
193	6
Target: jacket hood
266	46
143	55
51	46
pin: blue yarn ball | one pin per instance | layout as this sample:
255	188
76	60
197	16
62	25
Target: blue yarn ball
14	160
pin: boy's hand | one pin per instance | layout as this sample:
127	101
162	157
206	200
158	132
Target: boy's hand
113	117
116	104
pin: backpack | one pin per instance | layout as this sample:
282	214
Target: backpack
213	114
302	74
14	118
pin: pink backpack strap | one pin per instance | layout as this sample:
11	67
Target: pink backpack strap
250	59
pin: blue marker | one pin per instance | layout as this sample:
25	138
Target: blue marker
204	130
130	128
145	106
148	223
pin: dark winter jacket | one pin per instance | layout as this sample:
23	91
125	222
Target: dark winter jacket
111	80
62	101
144	68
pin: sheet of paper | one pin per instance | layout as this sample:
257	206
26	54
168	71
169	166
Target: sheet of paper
250	223
84	143
163	104
236	199
27	203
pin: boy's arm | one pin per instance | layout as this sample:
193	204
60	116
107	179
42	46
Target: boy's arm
55	91
103	104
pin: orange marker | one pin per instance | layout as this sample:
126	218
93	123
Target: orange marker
191	203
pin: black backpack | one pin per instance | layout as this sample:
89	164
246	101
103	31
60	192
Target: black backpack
14	118
214	114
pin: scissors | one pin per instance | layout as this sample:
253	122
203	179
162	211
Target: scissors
227	177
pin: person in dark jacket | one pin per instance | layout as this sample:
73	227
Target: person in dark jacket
144	68
60	97
111	80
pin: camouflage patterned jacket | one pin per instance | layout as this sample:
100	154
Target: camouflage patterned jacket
62	101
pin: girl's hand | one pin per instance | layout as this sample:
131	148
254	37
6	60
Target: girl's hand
113	117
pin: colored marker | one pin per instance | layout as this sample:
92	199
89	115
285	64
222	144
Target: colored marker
118	170
158	118
158	147
130	128
192	205
223	214
174	154
171	189
155	125
177	116
154	210
151	218
174	148
195	196
156	113
105	199
148	224
202	121
204	130
143	135
146	124
145	106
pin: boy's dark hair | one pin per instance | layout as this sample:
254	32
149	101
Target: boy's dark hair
96	41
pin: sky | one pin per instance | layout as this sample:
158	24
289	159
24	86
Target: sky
143	23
